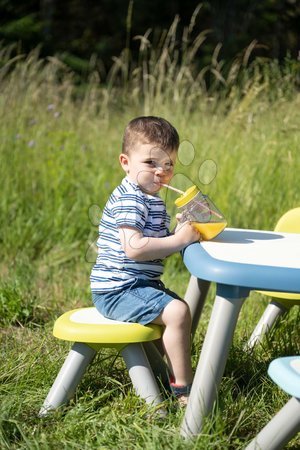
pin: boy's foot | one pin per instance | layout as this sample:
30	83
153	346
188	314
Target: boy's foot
181	392
183	400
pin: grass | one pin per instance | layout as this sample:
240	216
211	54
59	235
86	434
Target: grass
239	128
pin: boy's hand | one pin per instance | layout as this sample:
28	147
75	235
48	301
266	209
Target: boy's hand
186	233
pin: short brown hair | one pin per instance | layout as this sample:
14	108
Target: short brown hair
150	130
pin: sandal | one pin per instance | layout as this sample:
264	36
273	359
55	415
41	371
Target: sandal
178	390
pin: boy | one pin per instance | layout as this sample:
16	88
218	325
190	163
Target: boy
134	239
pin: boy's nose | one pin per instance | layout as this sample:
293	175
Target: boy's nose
159	169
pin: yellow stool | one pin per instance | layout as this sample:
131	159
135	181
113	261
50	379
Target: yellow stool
91	331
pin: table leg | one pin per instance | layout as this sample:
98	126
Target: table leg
195	296
212	362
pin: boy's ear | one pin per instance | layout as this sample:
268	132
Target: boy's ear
124	161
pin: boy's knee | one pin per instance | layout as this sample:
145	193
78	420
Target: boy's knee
176	313
182	312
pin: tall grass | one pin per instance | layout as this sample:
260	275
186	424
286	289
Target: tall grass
239	126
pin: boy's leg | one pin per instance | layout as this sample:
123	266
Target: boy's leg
176	340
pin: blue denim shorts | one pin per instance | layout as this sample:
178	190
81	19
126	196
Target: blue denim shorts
141	302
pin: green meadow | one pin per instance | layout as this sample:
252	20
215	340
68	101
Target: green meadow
60	140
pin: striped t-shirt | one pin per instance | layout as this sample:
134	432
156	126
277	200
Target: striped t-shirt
128	206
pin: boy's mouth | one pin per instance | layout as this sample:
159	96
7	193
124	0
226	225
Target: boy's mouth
156	184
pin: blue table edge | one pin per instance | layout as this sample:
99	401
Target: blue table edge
243	277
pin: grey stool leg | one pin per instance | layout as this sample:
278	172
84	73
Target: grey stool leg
141	373
195	296
68	378
273	311
157	363
280	430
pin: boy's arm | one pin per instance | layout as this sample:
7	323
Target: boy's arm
143	248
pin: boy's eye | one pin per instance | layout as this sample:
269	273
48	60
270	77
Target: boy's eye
150	163
166	166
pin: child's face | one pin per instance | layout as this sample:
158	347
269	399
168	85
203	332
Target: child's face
149	166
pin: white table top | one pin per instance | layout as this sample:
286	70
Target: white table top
252	259
256	247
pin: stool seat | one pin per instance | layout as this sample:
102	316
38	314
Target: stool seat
88	325
285	372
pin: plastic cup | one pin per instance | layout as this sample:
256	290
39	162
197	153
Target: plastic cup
198	209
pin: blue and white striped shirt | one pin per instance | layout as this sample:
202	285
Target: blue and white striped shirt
127	206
